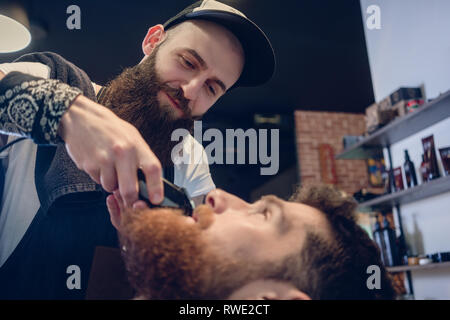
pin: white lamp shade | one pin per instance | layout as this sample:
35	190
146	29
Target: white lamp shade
13	35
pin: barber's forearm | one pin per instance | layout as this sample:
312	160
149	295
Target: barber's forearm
33	107
80	107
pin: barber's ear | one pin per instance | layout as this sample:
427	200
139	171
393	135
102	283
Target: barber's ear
265	289
154	36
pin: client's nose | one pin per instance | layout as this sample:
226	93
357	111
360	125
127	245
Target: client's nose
221	200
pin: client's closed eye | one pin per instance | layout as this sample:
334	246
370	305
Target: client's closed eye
261	207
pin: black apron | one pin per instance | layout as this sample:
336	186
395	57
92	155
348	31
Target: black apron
67	235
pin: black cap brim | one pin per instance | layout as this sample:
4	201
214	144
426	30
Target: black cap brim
259	55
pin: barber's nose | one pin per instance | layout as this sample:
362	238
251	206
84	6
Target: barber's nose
221	201
191	88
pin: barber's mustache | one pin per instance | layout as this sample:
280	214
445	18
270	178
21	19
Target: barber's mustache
178	96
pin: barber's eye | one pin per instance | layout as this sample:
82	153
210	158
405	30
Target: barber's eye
187	63
211	89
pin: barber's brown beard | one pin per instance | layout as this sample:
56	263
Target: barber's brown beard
168	258
133	97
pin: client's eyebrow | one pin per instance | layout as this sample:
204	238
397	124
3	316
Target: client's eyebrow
283	224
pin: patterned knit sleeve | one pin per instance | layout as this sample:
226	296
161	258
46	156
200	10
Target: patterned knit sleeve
33	107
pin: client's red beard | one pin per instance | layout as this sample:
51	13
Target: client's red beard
133	97
167	257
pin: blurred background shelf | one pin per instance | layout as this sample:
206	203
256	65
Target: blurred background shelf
401	128
419	267
419	192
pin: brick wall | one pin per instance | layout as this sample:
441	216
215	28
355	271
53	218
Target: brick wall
314	128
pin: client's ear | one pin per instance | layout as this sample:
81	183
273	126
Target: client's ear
265	289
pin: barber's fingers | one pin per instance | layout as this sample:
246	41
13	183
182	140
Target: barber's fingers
119	200
121	206
108	178
115	205
153	177
114	211
126	167
140	205
93	172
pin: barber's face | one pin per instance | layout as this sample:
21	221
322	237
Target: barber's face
202	60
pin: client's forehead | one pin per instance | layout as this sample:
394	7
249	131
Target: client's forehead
299	213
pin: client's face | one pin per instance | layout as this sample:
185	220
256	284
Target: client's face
226	244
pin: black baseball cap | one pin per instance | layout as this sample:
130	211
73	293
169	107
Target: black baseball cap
259	55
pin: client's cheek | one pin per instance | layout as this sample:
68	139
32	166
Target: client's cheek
204	215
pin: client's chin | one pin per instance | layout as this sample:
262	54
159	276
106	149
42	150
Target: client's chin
165	253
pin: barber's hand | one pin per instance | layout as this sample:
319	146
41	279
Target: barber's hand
110	150
115	206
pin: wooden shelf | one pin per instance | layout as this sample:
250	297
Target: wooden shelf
425	190
401	128
419	267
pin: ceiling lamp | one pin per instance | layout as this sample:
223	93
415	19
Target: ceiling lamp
14	35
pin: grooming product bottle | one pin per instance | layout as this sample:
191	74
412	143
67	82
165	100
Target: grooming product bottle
398	179
410	171
378	238
428	148
445	157
424	168
386	181
390	242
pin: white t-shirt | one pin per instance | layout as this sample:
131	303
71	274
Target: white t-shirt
20	201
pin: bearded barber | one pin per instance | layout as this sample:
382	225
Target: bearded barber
85	139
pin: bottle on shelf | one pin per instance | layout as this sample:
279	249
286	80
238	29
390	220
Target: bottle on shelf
378	238
391	181
398	179
390	242
386	181
403	251
428	148
410	171
425	168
